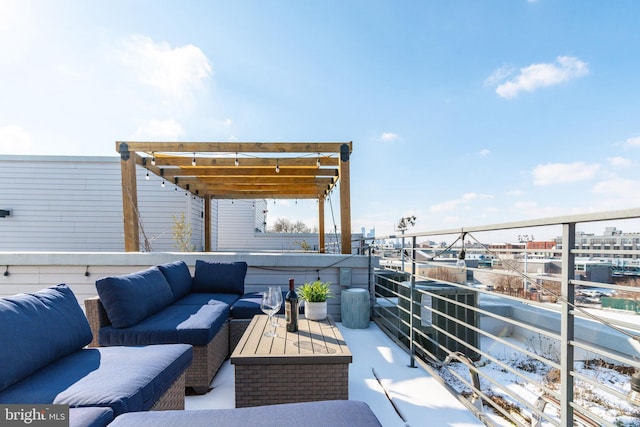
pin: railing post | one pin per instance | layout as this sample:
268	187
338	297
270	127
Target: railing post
412	346
567	323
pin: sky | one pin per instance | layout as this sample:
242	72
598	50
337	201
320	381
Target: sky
461	112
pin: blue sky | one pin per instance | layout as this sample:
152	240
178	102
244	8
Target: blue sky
461	112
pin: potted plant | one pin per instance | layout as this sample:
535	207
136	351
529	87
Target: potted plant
315	295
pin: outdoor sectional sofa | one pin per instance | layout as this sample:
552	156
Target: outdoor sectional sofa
43	360
164	304
334	413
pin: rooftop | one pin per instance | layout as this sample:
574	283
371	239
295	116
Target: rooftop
380	376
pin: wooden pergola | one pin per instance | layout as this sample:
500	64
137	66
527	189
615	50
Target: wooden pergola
239	170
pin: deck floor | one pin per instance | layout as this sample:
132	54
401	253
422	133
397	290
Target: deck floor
419	397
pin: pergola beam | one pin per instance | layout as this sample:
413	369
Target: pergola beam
240	170
236	147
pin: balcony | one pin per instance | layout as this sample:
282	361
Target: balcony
522	340
533	339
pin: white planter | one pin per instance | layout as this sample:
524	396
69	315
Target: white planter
315	310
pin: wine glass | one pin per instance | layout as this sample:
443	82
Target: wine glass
278	298
269	305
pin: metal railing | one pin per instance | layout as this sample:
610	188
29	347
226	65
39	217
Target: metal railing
541	332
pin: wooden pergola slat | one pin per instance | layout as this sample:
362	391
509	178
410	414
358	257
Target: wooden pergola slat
240	170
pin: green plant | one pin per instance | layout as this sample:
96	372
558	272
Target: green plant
315	291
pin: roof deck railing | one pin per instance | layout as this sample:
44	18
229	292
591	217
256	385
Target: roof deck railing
566	327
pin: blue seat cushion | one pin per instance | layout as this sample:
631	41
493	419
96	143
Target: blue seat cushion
90	417
130	298
249	305
334	413
178	276
125	379
206	298
37	329
185	324
219	277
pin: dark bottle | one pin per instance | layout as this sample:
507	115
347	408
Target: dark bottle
291	308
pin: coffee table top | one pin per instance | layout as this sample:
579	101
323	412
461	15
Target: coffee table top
315	342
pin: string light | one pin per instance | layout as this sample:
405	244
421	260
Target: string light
147	176
237	162
318	161
153	159
162	185
193	162
277	166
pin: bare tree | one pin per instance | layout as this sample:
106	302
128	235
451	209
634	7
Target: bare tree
283	225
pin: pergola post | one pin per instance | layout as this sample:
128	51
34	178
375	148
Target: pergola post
321	224
129	199
345	199
207	223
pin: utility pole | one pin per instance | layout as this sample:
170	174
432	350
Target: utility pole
525	238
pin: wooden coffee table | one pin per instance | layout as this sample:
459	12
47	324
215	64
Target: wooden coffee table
308	365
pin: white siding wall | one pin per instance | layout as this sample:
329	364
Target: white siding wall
75	204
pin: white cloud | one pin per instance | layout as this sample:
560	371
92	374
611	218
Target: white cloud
515	193
622	187
175	71
563	173
389	136
14	140
163	130
450	205
499	75
536	76
619	162
633	142
485	152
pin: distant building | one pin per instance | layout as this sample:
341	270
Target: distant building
601	246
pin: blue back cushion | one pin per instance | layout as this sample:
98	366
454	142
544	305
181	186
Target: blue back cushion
133	297
179	278
220	277
37	329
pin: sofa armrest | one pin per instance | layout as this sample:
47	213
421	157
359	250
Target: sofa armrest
97	317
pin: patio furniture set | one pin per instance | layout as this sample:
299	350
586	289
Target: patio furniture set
148	336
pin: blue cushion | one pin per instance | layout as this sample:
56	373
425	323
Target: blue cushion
123	378
90	417
37	329
186	324
130	298
179	278
206	298
249	305
334	413
220	277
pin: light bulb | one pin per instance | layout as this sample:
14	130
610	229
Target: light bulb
162	185
460	263
277	168
153	160
147	176
237	162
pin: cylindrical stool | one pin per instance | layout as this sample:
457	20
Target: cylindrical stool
355	308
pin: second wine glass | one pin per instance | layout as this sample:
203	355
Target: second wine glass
269	306
278	298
